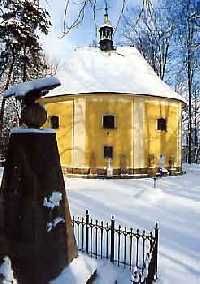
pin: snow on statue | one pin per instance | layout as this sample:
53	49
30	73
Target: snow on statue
36	228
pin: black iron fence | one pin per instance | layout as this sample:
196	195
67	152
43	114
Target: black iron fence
133	249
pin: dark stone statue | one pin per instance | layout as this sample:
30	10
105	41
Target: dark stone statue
36	231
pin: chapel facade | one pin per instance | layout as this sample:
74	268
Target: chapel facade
112	114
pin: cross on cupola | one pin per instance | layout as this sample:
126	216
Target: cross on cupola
106	33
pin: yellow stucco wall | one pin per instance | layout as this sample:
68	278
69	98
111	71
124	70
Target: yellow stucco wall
167	142
64	134
121	138
135	138
79	133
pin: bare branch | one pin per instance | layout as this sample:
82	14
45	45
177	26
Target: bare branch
81	13
121	14
67	28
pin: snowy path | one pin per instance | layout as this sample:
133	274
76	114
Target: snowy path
175	203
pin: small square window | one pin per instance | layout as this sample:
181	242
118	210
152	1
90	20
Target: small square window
108	152
54	120
108	121
161	124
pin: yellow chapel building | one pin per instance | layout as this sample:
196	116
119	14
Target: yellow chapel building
112	114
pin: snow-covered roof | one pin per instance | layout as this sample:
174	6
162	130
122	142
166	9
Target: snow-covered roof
38	85
124	70
108	24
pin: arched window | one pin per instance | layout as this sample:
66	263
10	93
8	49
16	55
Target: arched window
161	124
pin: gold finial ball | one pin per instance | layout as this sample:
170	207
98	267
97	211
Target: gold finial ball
34	115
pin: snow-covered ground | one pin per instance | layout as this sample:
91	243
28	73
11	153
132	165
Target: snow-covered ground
77	272
175	203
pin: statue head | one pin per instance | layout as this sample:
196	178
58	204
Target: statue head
33	114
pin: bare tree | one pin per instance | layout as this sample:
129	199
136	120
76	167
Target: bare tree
146	29
187	38
168	36
81	7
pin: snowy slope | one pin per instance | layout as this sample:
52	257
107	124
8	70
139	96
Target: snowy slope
89	70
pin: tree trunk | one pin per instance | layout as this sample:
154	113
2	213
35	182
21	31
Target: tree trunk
189	74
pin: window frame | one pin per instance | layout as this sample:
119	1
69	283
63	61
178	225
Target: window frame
161	130
58	122
108	146
115	121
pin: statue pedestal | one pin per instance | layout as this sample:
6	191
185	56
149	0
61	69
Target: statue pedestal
36	231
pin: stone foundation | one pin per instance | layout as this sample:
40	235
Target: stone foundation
99	172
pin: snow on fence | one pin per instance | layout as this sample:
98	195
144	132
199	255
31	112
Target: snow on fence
136	250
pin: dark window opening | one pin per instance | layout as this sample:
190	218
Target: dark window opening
108	152
162	124
109	121
54	122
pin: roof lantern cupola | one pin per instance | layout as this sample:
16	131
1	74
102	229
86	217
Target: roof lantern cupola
106	33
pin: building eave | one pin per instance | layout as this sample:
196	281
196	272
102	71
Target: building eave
70	95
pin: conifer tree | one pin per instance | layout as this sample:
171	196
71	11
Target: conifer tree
19	25
21	55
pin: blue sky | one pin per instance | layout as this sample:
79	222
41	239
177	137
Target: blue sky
84	34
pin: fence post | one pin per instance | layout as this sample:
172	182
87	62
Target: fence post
156	249
112	239
87	231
